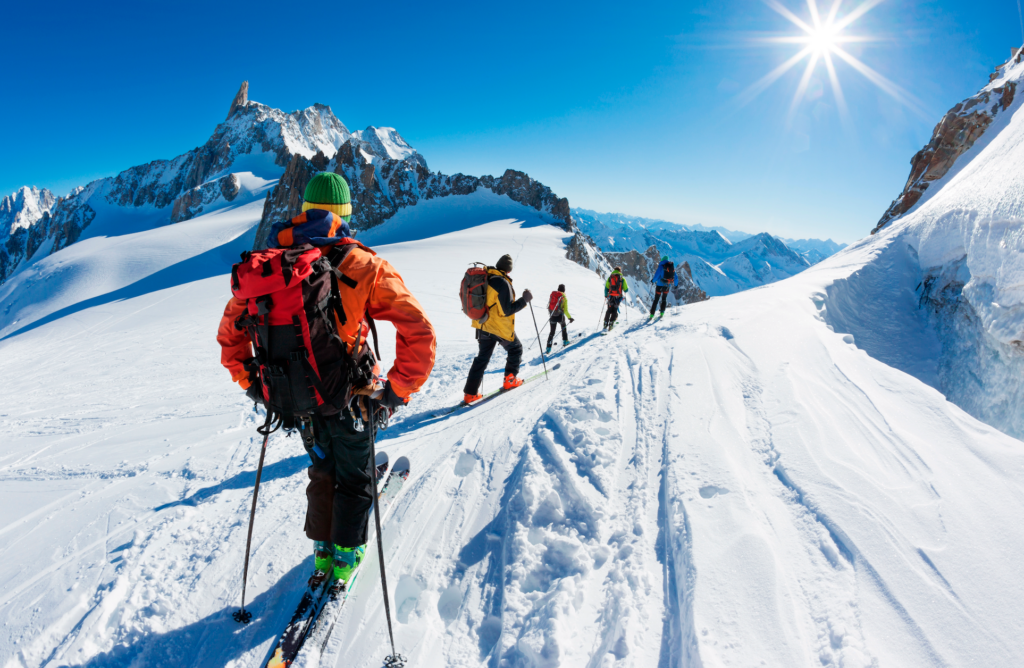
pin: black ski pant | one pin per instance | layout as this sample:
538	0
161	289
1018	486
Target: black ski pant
341	484
662	292
514	348
612	314
556	320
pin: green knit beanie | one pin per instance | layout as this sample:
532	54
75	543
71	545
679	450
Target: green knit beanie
329	191
664	258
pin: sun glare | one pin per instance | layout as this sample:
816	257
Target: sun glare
820	38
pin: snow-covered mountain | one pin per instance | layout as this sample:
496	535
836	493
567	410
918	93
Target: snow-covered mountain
722	261
18	213
814	250
257	153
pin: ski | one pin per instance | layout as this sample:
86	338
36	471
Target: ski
490	395
339	592
313	599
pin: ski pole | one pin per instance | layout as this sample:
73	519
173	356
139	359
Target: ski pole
600	315
396	660
242	615
542	359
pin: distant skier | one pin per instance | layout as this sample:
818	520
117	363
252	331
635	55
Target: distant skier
558	310
341	485
664	276
498	326
614	289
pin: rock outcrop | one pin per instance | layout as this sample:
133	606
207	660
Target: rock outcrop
955	134
241	100
192	202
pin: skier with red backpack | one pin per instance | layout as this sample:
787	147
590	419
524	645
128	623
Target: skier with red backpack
488	297
664	277
614	289
295	337
558	311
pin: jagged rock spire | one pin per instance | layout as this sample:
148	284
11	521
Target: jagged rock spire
241	98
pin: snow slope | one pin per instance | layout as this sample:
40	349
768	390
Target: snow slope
736	484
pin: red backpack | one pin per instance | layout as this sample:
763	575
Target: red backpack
554	301
294	312
615	285
473	292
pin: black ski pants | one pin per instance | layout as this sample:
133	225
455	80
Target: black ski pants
341	484
612	314
557	319
662	292
514	348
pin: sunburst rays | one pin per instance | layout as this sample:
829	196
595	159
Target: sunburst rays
820	38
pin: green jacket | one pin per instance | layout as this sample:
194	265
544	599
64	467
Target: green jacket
608	286
564	307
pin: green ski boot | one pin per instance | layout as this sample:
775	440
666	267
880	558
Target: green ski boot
346	560
548	351
323	562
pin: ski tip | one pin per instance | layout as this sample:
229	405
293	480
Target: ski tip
401	465
382	458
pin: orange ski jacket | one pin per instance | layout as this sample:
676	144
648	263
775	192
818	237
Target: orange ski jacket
381	292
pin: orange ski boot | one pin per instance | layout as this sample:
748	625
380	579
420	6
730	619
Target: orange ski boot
511	382
470	398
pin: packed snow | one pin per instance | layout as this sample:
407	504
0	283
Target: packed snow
738	483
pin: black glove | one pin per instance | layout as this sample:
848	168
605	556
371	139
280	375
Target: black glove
527	296
572	320
255	391
390	400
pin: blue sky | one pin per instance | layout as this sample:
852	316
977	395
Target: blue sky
628	107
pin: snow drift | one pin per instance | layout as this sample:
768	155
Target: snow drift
957	256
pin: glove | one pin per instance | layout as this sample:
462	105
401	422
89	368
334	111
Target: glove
527	295
571	320
255	391
389	399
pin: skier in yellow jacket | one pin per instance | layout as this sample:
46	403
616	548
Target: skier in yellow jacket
498	327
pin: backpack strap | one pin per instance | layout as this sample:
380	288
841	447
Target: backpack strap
302	356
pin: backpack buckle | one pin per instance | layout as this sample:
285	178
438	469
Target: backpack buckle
298	355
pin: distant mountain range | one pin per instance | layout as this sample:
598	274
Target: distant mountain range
257	153
722	261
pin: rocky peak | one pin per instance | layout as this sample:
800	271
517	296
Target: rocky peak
241	99
386	142
955	134
23	208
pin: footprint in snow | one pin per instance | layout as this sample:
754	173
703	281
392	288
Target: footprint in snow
708	491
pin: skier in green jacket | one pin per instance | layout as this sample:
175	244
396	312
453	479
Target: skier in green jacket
614	289
558	310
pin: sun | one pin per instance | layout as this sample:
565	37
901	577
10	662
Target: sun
821	38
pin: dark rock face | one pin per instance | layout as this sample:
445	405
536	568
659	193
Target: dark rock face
582	250
241	99
191	203
285	201
955	134
381	186
640	268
